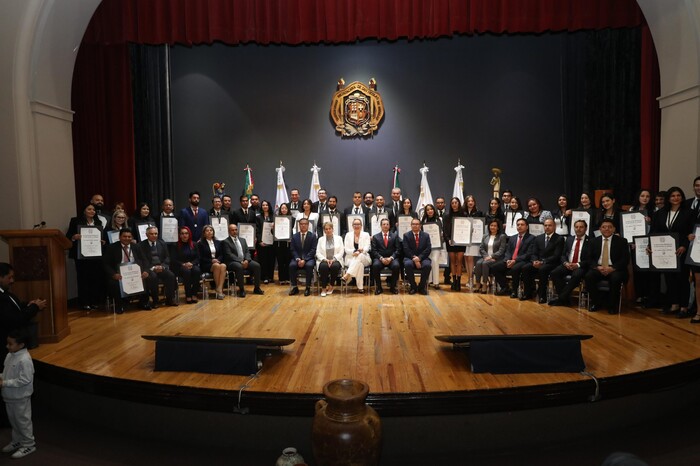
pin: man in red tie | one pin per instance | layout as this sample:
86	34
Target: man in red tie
572	264
385	252
194	217
517	256
416	253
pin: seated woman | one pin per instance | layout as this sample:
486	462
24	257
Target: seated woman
609	211
185	263
357	244
430	216
306	213
491	250
329	258
562	216
211	259
514	213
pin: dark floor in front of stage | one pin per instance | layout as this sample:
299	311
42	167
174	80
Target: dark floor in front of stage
673	440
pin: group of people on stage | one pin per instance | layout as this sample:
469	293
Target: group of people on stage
367	237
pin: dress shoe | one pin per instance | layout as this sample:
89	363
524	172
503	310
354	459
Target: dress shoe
293	291
394	291
423	291
524	297
241	293
412	291
542	300
594	308
558	302
503	292
146	307
668	311
258	291
685	314
378	291
307	291
120	310
171	303
514	295
613	311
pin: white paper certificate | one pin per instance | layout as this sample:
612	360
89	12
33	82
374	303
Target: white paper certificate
334	219
461	231
168	229
142	227
131	282
220	226
352	217
267	237
536	229
376	223
577	215
695	251
403	225
113	236
283	228
90	242
663	252
247	232
632	224
433	230
477	230
511	223
641	258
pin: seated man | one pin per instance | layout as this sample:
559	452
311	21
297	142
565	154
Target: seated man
546	256
237	259
516	257
303	249
607	259
416	253
156	263
575	251
120	252
385	252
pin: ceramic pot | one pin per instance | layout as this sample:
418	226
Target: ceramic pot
289	457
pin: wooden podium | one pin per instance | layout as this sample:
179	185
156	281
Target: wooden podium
39	260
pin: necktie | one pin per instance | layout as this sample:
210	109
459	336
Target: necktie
517	247
386	240
695	204
238	247
356	211
605	261
303	238
126	253
245	212
546	241
417	241
194	211
574	260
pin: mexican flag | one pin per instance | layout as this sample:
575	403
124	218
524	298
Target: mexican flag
249	184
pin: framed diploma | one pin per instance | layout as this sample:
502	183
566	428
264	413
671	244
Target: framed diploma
435	232
351	218
90	242
283	228
267	236
220	226
247	232
693	256
312	225
632	224
113	236
376	222
169	229
663	252
403	224
131	282
640	257
141	228
510	223
536	229
478	226
334	219
461	231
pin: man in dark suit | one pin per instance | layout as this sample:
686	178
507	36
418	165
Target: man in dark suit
255	205
693	203
395	205
14	314
237	259
546	256
321	205
244	214
294	201
440	210
194	217
156	262
123	251
506	196
607	259
105	216
217	210
385	252
573	263
333	211
303	248
357	208
517	256
416	253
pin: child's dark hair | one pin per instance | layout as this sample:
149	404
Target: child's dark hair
20	335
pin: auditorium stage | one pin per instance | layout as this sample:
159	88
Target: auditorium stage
387	341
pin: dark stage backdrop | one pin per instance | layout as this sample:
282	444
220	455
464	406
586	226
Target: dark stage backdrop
491	101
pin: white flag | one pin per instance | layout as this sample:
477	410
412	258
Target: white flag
315	183
458	190
425	197
281	197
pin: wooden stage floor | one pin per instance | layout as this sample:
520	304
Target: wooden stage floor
387	341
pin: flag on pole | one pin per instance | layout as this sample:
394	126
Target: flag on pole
426	196
315	183
249	184
281	196
458	190
397	172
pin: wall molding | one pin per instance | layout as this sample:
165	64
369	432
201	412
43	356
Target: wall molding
678	97
50	110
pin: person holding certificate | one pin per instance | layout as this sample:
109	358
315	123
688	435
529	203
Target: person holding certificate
535	213
562	216
492	250
514	212
329	258
586	204
607	259
282	252
307	213
119	221
385	251
609	210
430	216
643	279
116	254
494	212
517	256
416	252
142	216
357	247
91	290
186	264
265	245
456	253
211	259
676	218
472	250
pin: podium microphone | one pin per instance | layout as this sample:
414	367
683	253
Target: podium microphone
39	225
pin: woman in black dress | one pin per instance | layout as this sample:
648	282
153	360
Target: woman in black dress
185	263
456	253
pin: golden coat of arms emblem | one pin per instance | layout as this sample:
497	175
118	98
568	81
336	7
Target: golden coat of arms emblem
357	109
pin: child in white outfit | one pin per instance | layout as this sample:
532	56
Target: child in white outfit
17	387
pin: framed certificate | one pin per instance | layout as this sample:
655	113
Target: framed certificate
536	229
141	228
334	219
376	222
403	224
693	256
581	214
169	229
351	218
267	236
478	226
131	282
632	224
220	226
283	227
90	242
461	231
247	232
113	236
511	222
663	252
640	257
435	232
